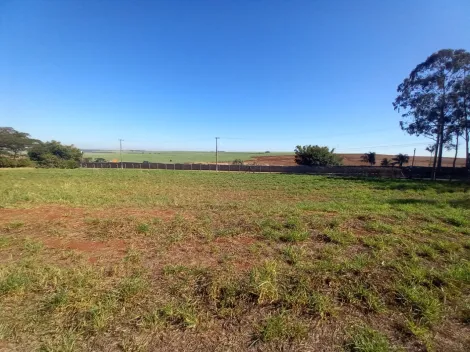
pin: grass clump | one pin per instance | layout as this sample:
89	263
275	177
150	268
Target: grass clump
422	303
366	339
280	328
264	282
181	315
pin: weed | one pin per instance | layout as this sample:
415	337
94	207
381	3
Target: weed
143	228
263	282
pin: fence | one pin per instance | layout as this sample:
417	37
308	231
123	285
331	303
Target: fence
327	170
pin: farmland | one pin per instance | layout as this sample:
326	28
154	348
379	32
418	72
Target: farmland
163	261
177	156
260	158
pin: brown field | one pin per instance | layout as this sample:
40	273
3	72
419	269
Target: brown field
352	160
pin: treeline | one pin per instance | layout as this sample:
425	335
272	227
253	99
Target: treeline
18	149
434	102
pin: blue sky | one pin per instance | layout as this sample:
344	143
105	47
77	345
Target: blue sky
261	74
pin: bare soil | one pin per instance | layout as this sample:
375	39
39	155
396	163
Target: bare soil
352	160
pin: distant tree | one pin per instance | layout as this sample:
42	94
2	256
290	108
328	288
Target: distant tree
431	148
368	158
314	155
237	162
13	142
401	159
55	154
385	162
100	160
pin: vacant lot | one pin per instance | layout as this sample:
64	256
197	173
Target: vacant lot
164	261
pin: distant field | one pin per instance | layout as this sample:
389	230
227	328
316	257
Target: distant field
276	158
178	157
353	160
138	260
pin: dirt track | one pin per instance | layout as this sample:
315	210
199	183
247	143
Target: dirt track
352	160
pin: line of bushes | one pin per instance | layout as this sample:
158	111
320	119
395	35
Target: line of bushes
9	162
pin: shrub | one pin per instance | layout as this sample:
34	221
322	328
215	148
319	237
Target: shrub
55	155
314	155
6	162
24	162
237	162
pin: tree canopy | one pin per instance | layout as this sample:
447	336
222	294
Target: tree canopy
55	154
314	155
401	159
434	100
368	158
13	142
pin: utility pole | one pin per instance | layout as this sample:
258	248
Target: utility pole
217	153
412	163
120	150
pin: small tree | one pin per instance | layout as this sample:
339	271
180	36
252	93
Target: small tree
12	142
237	162
100	160
401	159
314	155
385	162
368	158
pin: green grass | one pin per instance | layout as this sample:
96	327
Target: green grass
179	156
163	260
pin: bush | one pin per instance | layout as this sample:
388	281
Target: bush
55	155
314	155
237	162
8	162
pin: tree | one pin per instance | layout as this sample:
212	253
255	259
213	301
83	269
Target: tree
401	159
385	162
100	160
237	162
368	158
314	155
432	99
13	142
462	100
55	154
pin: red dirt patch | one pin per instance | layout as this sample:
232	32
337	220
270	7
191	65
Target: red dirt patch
55	212
86	246
350	160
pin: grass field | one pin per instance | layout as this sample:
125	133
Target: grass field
177	157
173	261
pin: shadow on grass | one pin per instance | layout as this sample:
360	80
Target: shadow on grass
413	201
410	185
460	203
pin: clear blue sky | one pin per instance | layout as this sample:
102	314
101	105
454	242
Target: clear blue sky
173	74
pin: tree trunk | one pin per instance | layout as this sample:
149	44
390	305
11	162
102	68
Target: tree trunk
455	157
441	141
456	151
435	159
